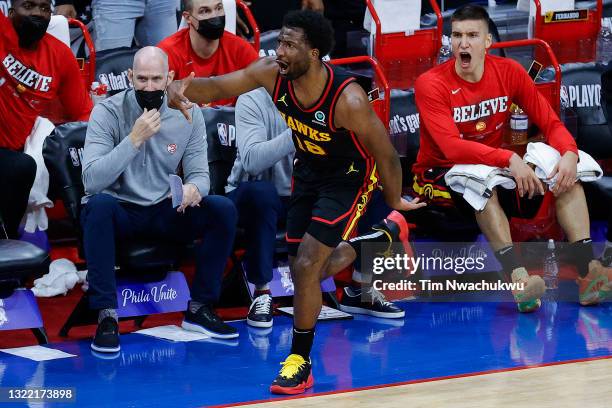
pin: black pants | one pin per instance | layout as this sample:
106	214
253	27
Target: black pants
17	172
107	223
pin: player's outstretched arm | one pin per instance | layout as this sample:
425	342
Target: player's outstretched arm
354	112
182	93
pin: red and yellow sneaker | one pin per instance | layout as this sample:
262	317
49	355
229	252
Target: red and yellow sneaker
596	286
295	376
528	299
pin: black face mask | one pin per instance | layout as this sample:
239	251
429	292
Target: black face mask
150	99
30	29
211	28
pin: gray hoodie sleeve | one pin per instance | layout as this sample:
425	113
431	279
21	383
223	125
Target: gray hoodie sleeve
103	162
195	159
256	151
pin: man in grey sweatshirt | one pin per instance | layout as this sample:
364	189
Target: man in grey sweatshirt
260	186
134	141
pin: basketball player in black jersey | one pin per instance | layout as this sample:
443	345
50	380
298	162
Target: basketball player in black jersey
341	149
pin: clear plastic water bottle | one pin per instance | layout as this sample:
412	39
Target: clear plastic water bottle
551	267
604	41
446	51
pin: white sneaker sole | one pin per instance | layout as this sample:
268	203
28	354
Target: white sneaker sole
105	349
255	323
360	310
196	328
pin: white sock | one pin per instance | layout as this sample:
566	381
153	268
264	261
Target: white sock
104	313
360	277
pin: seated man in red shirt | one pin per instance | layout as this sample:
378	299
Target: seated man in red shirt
205	47
486	86
37	73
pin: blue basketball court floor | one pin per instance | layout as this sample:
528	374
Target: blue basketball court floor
436	340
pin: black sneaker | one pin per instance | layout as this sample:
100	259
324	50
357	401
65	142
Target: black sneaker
371	303
206	321
260	312
392	229
294	378
106	339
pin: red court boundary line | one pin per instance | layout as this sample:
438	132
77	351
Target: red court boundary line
425	380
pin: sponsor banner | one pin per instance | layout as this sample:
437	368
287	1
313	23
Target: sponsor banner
282	284
20	311
144	298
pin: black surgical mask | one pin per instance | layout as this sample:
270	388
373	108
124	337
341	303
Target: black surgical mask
150	99
211	28
30	29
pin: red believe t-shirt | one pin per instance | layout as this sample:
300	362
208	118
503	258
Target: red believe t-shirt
233	54
32	82
462	122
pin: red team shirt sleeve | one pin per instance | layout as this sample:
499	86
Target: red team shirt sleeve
437	118
72	93
540	112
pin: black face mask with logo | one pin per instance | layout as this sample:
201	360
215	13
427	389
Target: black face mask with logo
30	29
211	28
150	99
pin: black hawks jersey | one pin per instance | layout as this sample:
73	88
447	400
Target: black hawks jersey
316	139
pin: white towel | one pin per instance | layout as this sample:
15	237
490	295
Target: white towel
396	16
61	278
35	216
59	28
476	182
545	158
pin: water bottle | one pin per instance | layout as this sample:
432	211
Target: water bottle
519	126
551	267
604	41
446	51
98	92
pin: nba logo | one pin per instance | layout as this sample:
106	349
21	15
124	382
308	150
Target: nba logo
171	148
74	156
222	131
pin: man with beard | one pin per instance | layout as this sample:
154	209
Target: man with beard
204	47
133	142
37	72
341	149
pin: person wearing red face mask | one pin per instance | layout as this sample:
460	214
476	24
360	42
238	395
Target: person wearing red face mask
204	47
37	72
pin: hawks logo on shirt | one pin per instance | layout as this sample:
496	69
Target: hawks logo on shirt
171	148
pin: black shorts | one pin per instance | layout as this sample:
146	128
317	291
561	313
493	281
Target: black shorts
431	187
328	200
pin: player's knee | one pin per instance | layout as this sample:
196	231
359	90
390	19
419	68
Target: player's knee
304	268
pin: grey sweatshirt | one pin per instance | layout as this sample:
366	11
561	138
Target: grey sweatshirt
112	165
265	146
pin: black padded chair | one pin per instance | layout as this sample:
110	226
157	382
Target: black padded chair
62	152
20	261
599	192
112	66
